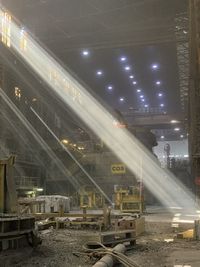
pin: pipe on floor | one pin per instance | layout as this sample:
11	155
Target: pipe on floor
108	260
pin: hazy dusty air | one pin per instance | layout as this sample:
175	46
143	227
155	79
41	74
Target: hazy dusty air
126	147
99	144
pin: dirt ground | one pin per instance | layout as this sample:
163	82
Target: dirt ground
151	250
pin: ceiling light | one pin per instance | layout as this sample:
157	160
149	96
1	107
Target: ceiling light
123	59
65	141
127	67
39	189
110	87
134	82
154	66
146	106
160	94
162	105
85	53
176	129
138	90
121	99
141	96
181	136
174	121
131	77
158	82
162	137
143	100
99	72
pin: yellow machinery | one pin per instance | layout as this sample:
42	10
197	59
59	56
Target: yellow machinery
129	198
8	195
90	198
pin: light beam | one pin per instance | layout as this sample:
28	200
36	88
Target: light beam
161	183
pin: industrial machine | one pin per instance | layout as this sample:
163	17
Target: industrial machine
129	198
15	229
8	195
90	198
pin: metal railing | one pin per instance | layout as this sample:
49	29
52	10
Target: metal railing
27	182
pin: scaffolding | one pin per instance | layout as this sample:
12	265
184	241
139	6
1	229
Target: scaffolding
194	92
182	40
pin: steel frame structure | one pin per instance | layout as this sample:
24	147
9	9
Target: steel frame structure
194	92
182	39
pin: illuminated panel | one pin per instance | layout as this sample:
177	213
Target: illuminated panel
56	79
17	93
6	28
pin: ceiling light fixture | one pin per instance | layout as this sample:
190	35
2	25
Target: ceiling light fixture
99	72
176	129
154	66
174	121
127	68
65	141
123	59
85	53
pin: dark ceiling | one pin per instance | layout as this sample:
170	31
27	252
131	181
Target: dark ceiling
141	30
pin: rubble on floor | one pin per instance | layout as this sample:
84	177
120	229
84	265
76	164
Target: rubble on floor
152	249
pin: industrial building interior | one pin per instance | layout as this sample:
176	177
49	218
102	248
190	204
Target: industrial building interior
100	133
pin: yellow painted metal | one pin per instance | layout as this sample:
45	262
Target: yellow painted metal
189	234
129	199
90	198
119	168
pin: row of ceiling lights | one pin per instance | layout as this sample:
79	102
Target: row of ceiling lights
141	96
176	129
181	136
160	94
127	68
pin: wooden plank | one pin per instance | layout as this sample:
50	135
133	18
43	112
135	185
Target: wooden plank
67	215
117	232
14	233
140	226
118	241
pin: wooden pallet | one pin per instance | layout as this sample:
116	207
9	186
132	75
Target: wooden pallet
112	238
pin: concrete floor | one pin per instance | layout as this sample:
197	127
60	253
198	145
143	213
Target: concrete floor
152	249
